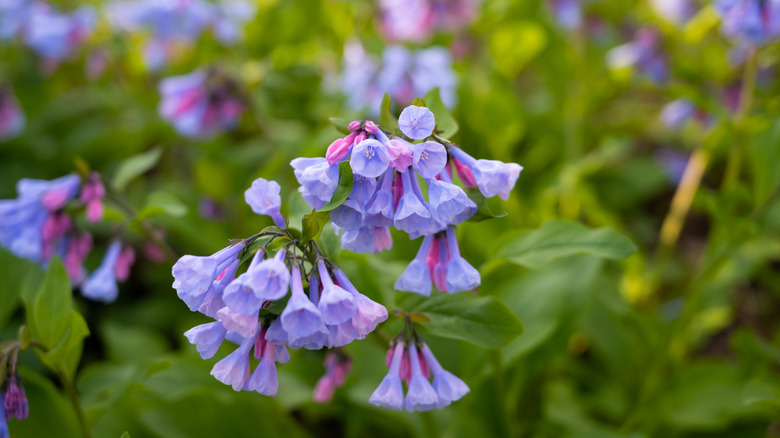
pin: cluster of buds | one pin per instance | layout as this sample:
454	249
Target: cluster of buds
53	35
201	103
172	24
410	360
386	192
40	223
266	309
11	116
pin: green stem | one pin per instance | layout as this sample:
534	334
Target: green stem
74	399
734	163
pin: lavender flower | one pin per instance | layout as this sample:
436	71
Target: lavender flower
300	317
15	400
752	22
200	104
416	277
420	395
416	122
101	285
336	305
448	387
568	13
207	338
461	276
264	199
390	393
233	370
55	36
317	178
492	177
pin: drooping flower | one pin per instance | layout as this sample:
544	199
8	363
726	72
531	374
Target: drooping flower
202	103
263	197
491	177
264	379
448	387
420	395
300	317
207	338
56	36
416	277
101	284
233	370
461	276
390	393
317	178
194	275
15	399
336	305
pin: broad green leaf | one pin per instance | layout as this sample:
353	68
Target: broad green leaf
330	244
343	189
135	166
14	272
342	125
514	44
419	102
52	305
312	224
556	238
162	203
762	392
445	123
483	321
483	209
386	118
67	353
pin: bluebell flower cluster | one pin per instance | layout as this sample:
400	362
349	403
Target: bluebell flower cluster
39	224
401	72
750	22
412	361
644	54
387	192
173	24
333	313
53	35
417	20
12	118
202	103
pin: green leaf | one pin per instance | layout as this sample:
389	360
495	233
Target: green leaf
313	224
162	203
50	313
483	321
330	244
386	118
558	238
135	166
125	435
483	209
67	353
419	102
344	188
445	123
342	125
762	392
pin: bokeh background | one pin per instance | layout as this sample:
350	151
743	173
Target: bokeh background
678	340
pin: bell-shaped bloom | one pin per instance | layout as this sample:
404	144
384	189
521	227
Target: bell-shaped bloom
420	396
461	276
752	22
437	261
368	313
369	158
416	277
341	334
263	197
264	379
411	215
336	305
101	284
417	122
429	158
380	210
243	295
449	388
401	153
201	103
194	275
271	278
233	370
360	241
243	324
3	421
211	302
349	215
362	189
207	338
449	204
317	178
300	317
11	116
15	401
492	177
390	393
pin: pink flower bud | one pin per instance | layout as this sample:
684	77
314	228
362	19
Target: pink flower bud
124	262
354	125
